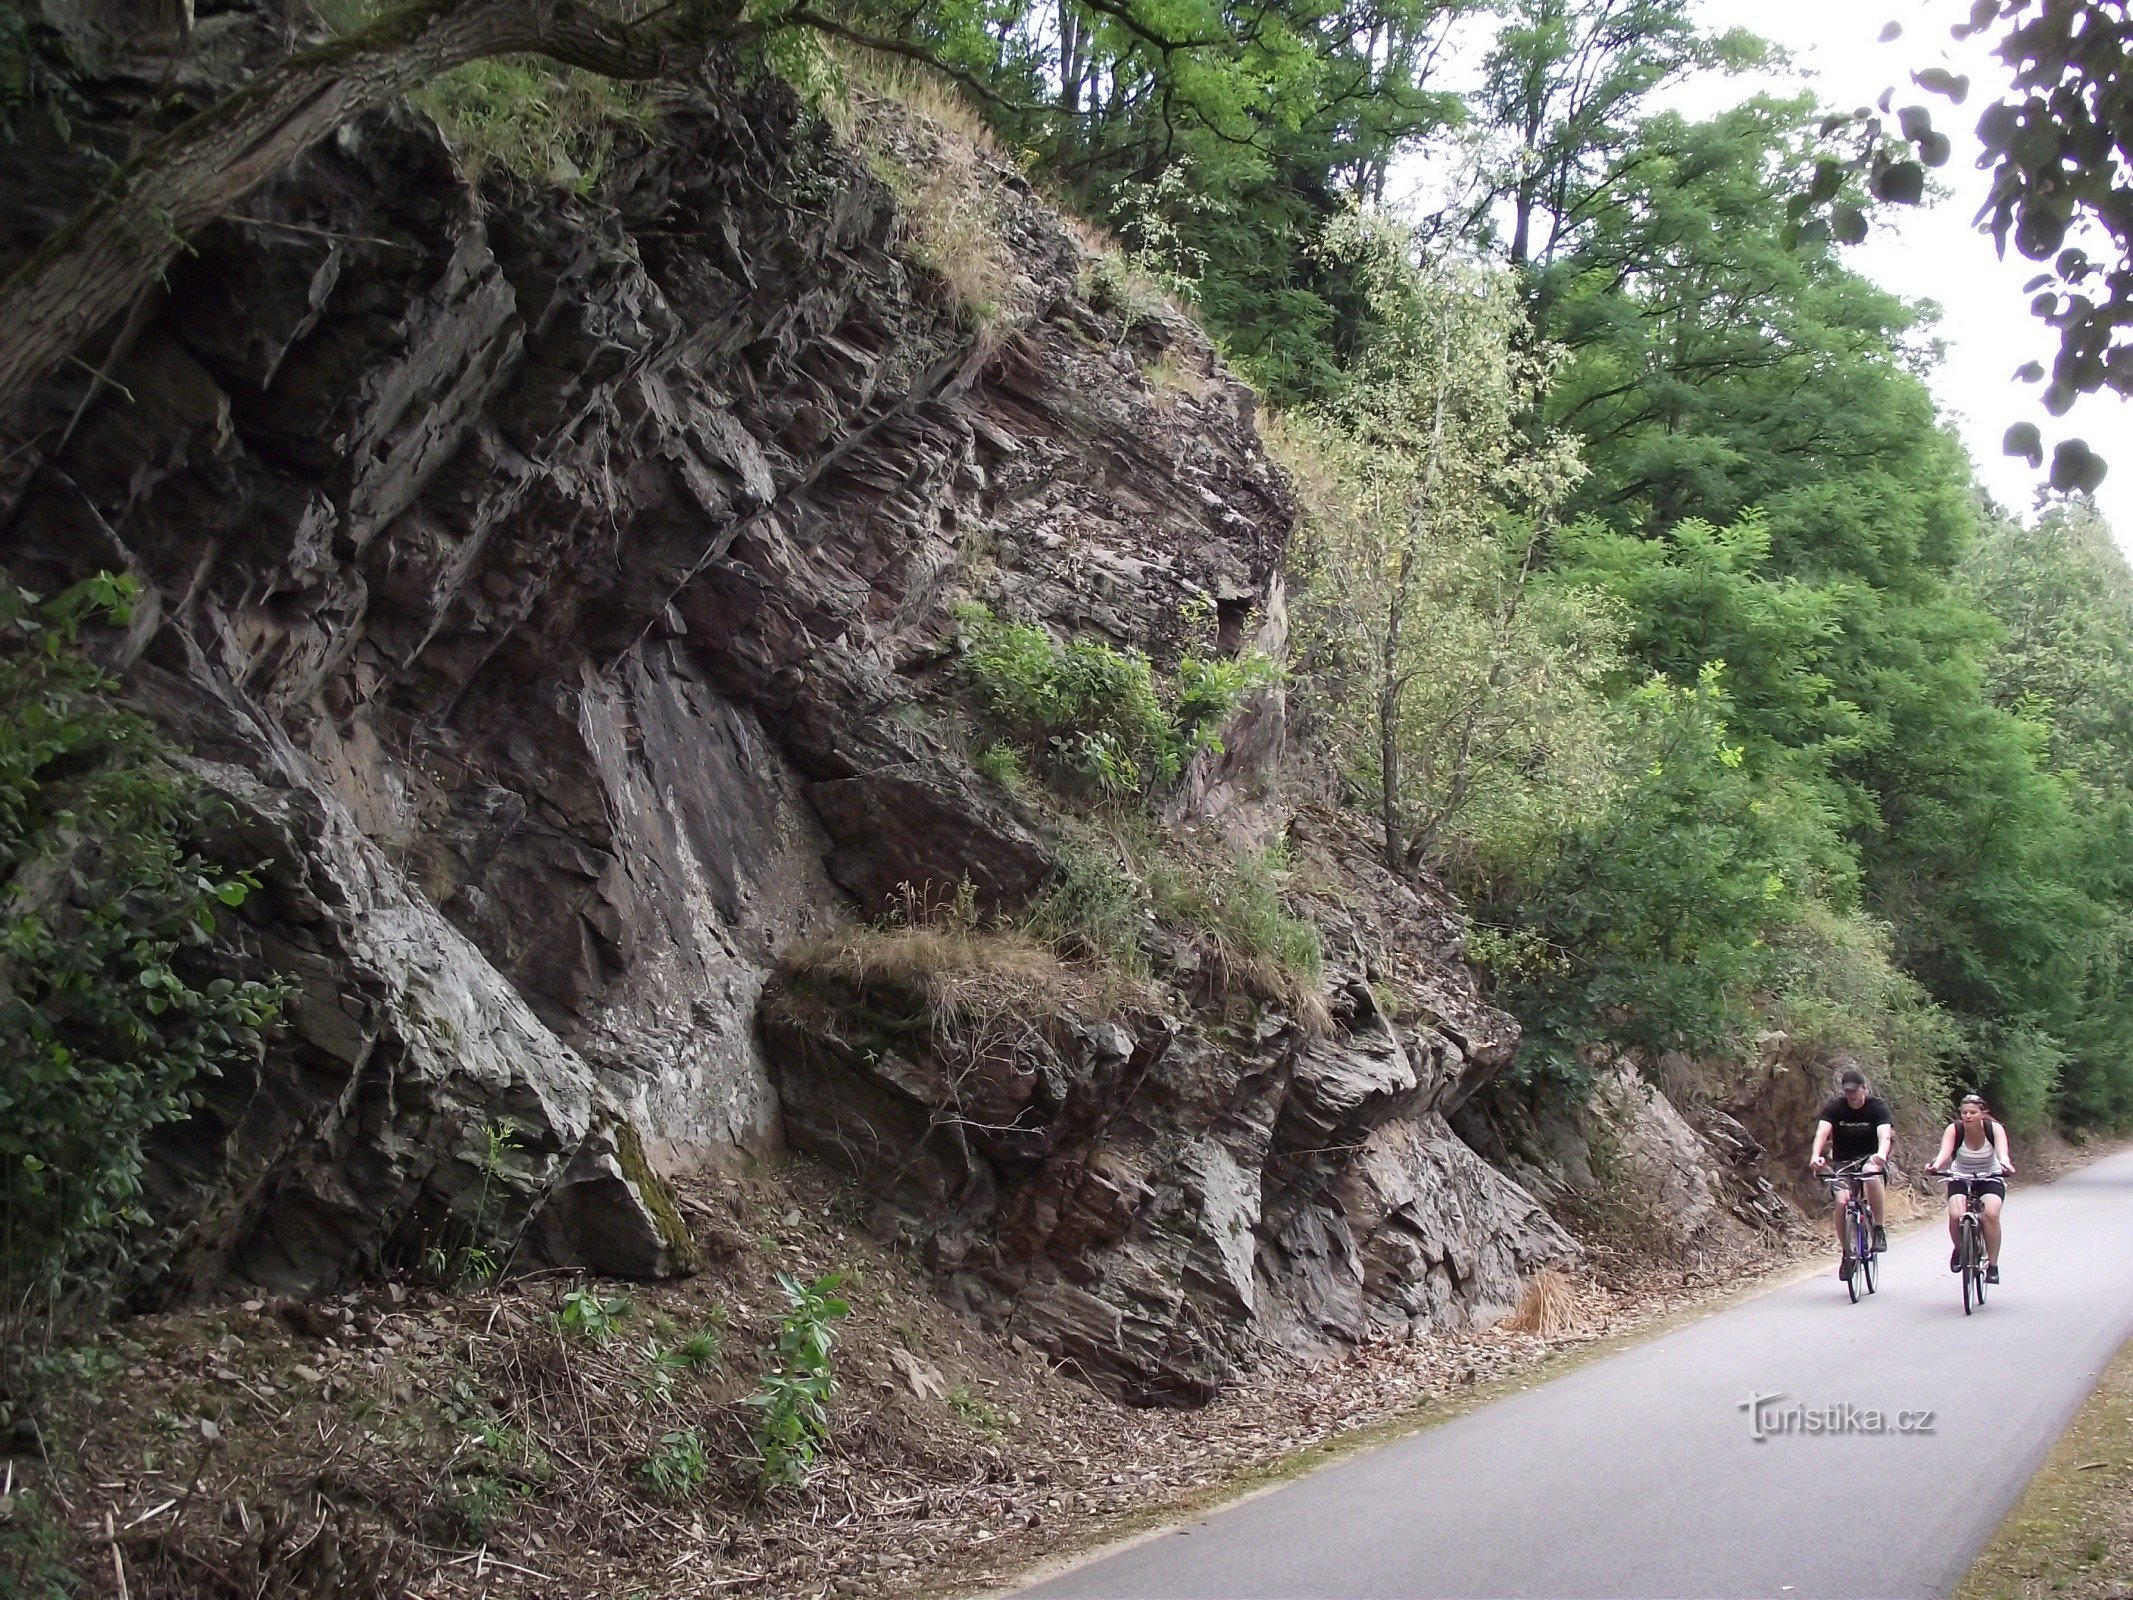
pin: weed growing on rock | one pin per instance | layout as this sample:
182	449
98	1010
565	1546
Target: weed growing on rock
1099	712
795	1394
106	1019
1091	907
542	124
978	1414
1233	912
1003	765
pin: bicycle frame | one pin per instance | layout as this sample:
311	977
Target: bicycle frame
1970	1241
1858	1262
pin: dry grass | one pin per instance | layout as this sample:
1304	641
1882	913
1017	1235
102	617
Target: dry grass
917	88
966	976
926	143
1170	379
1552	1307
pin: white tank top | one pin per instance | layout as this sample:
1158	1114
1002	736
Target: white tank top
1983	1162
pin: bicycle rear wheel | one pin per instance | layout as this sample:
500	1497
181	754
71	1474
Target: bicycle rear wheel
1870	1269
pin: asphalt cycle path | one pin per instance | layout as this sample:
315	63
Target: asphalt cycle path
1737	1455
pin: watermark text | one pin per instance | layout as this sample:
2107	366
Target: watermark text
1779	1416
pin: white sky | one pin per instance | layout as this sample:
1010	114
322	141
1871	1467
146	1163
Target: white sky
1932	252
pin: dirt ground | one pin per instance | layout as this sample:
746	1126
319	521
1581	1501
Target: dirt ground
514	1442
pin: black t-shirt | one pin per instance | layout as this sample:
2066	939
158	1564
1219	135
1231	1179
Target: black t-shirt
1857	1133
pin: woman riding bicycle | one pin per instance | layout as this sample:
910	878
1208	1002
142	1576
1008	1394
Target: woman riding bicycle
1973	1152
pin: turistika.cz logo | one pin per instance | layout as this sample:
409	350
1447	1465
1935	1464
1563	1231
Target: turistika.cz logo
1771	1417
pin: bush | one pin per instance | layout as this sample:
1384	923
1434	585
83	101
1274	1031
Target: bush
1098	711
1235	913
795	1393
543	124
1091	908
106	1018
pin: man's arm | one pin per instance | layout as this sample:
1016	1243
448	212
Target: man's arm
1886	1133
1822	1132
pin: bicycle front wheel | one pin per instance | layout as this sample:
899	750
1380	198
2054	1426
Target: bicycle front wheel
1971	1283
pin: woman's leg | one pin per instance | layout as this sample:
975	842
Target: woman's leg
1992	1204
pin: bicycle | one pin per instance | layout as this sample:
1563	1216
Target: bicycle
1970	1242
1858	1242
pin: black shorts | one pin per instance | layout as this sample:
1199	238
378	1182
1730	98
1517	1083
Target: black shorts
1977	1187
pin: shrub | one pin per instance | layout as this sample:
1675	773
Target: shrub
1000	763
1234	912
1091	908
678	1468
106	1018
1099	711
543	124
585	1315
795	1394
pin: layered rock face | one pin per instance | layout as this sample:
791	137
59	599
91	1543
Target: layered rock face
559	590
1155	1188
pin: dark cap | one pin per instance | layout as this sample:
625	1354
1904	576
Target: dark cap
1852	1078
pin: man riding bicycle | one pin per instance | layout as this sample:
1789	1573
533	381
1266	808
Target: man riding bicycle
1855	1131
1973	1153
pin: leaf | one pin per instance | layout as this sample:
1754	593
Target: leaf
1916	122
1890	30
2025	441
2030	372
1940	81
1903	183
2076	468
1848	224
2040	228
231	893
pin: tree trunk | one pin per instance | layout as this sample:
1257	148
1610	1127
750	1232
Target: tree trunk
125	239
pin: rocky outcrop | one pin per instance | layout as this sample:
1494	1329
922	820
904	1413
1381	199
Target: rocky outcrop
558	587
1154	1190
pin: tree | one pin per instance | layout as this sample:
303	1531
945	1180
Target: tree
1465	701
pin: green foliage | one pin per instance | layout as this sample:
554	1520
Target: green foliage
1092	907
590	1316
33	1550
1003	765
1235	911
979	1415
1459	683
1656	915
37	79
678	1468
1097	711
107	919
1216	141
795	1393
542	123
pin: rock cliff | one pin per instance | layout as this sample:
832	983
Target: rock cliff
560	586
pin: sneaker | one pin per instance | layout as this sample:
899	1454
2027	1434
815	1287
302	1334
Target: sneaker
1844	1272
1992	1273
1955	1259
1881	1239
